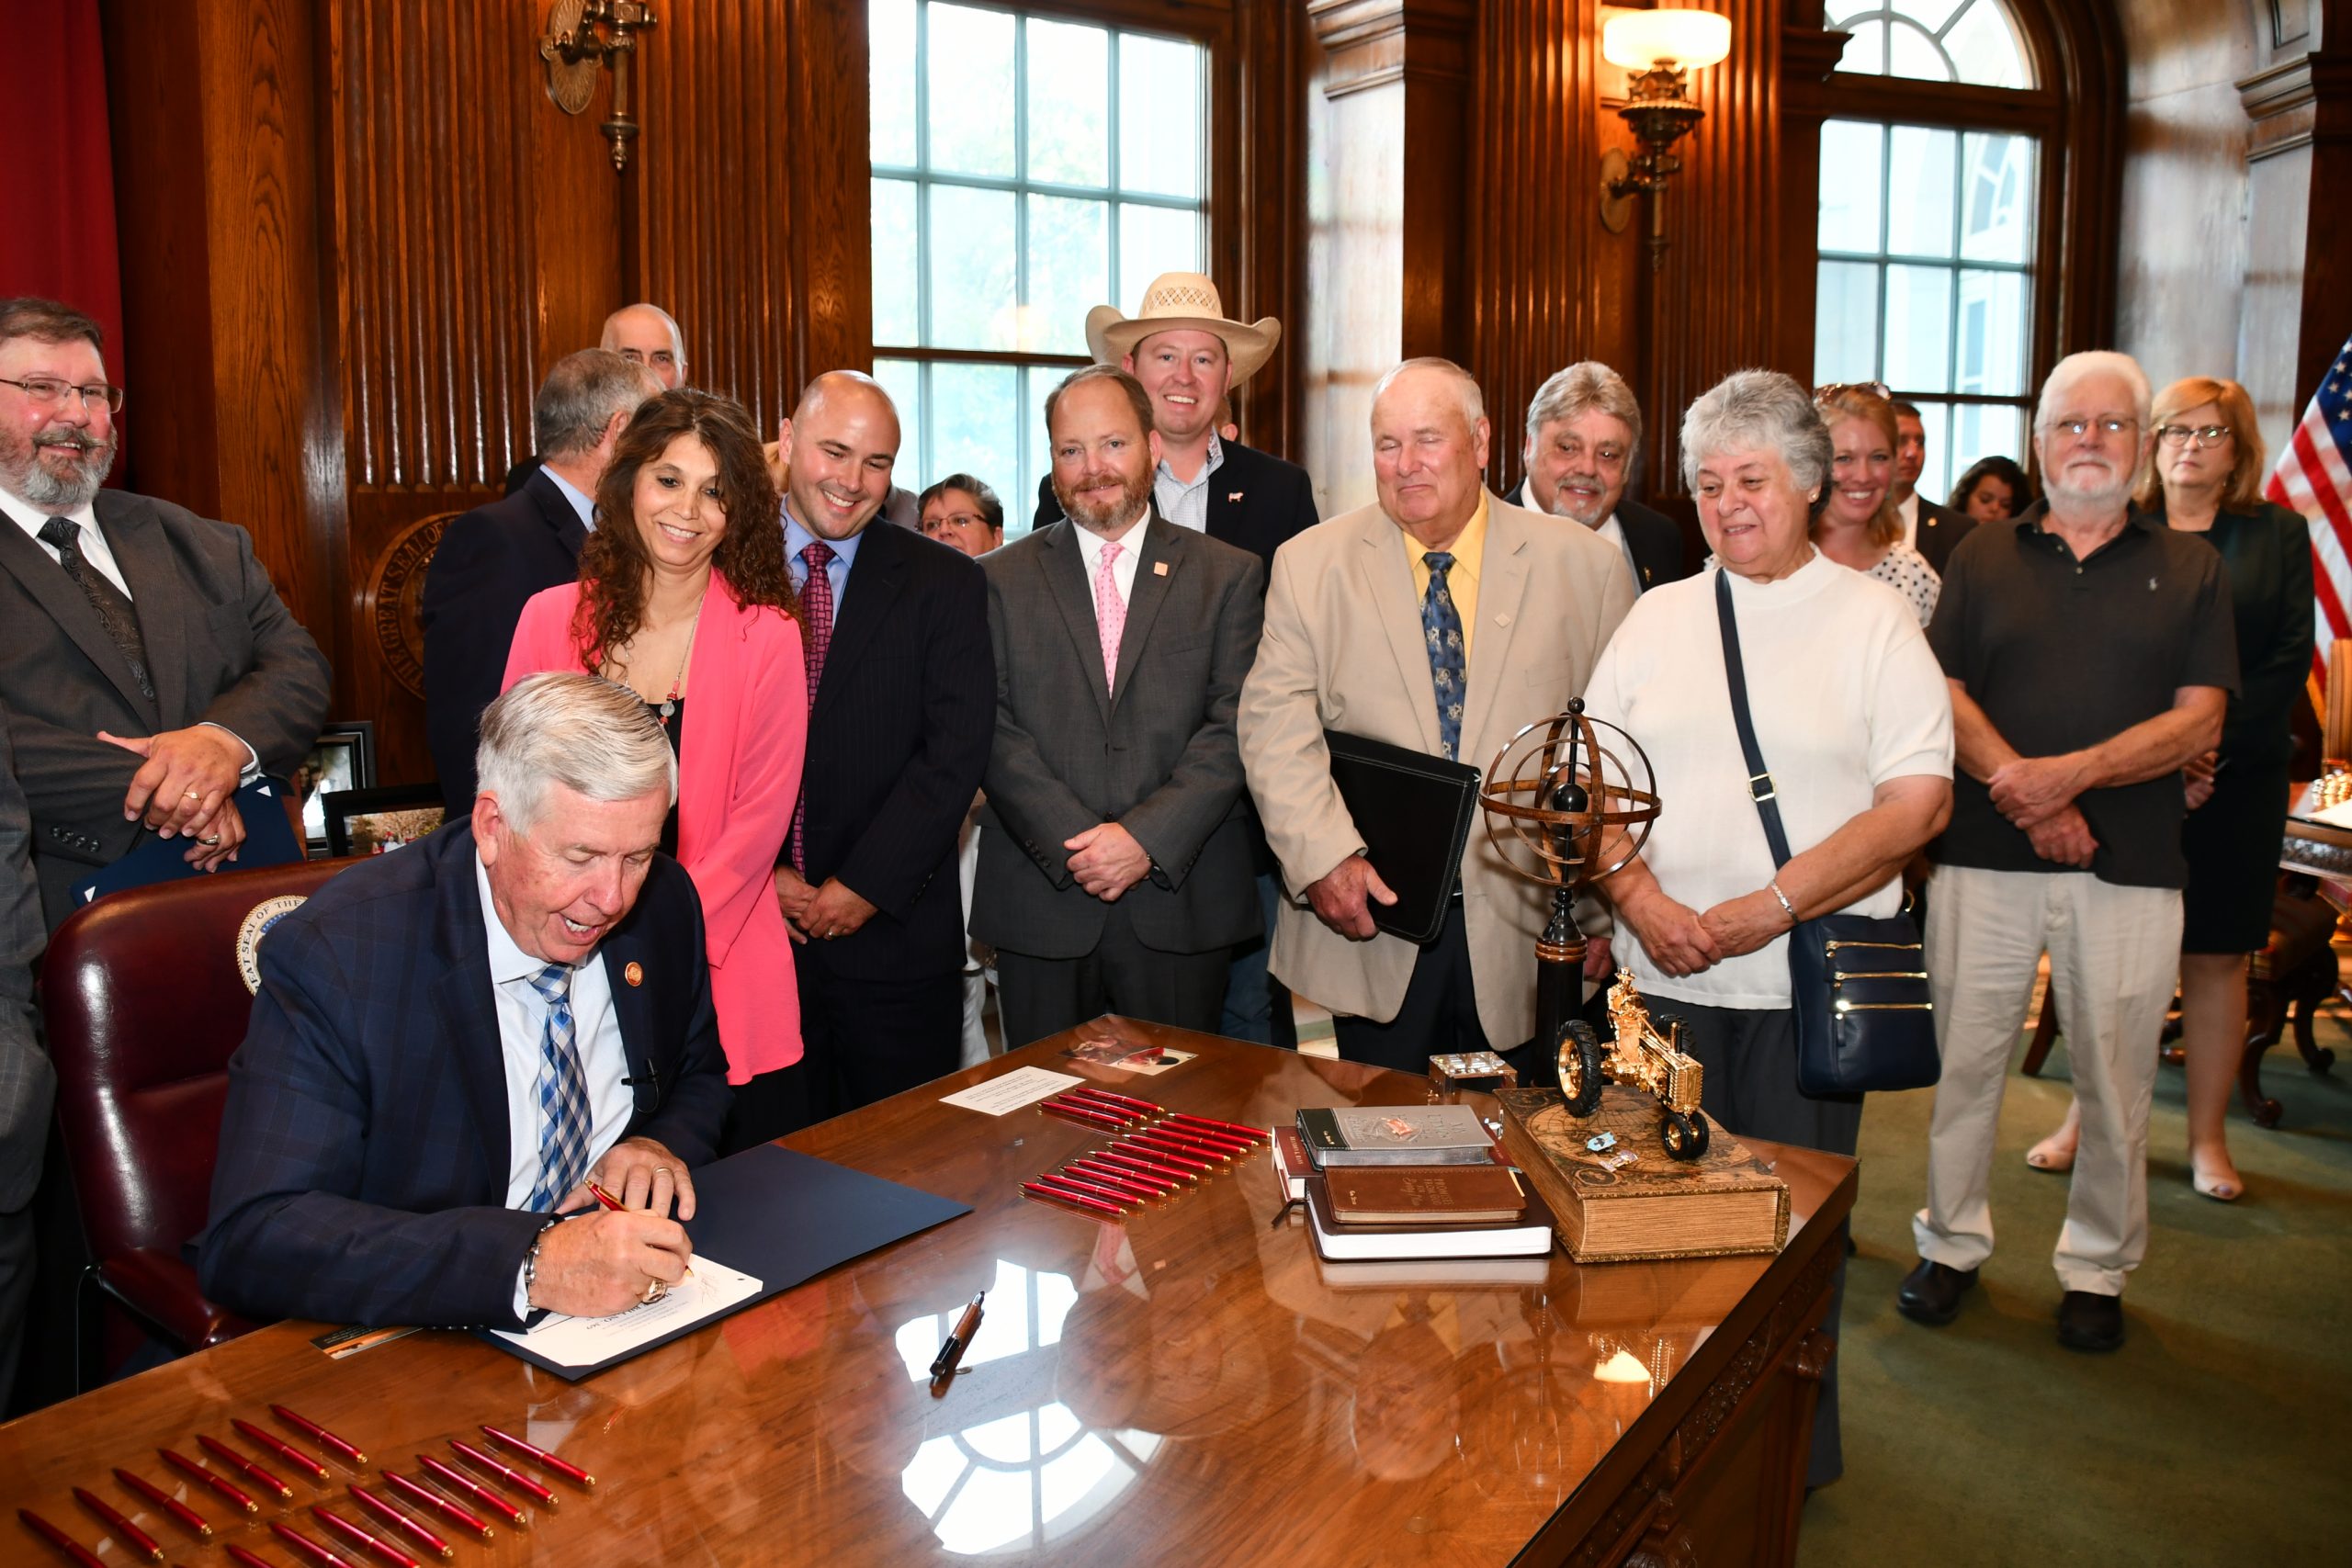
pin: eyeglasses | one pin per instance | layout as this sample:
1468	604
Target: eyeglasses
1875	388
954	519
46	392
2205	435
2107	426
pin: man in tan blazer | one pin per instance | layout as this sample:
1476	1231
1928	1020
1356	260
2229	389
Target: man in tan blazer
1438	586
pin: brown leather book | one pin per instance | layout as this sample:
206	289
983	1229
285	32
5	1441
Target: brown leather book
1425	1195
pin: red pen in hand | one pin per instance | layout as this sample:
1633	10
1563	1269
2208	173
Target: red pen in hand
616	1206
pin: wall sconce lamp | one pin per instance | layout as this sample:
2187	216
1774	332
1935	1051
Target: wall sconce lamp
1658	50
582	36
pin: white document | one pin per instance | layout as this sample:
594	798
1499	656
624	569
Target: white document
1011	1092
710	1290
2336	815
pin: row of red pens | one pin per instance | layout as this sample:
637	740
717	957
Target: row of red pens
1160	1153
391	1521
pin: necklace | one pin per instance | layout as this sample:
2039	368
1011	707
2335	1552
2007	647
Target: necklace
670	703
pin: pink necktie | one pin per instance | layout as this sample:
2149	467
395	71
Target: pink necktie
1109	613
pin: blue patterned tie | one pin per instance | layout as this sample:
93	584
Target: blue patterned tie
1442	629
563	1095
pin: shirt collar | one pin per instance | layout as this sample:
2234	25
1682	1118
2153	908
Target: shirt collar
582	502
797	539
1468	544
30	517
1089	543
507	962
1215	460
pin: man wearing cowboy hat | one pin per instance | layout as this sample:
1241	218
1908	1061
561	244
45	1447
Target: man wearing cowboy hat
1190	355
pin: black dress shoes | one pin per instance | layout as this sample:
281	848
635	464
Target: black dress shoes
1930	1293
2087	1321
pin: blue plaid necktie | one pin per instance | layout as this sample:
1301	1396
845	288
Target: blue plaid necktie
563	1095
1442	629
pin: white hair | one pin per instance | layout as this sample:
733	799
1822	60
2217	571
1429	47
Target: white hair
1578	391
1474	401
2077	367
1757	409
581	731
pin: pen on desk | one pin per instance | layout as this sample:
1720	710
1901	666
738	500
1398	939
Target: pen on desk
459	1482
1173	1152
506	1473
1093	1116
250	1559
60	1539
1094	1185
1252	1134
1140	1159
425	1497
204	1476
365	1539
323	1555
165	1500
388	1514
1126	1100
1080	1200
130	1535
965	1326
539	1456
1127	1182
317	1434
1226	1144
259	1476
282	1448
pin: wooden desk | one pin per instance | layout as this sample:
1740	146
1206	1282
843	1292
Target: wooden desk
1188	1387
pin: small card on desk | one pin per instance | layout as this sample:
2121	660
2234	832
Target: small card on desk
1011	1092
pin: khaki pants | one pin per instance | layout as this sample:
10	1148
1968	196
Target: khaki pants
2114	956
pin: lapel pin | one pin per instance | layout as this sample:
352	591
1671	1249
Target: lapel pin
634	974
1160	569
1232	495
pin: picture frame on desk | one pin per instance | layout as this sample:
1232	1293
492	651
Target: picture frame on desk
370	822
343	758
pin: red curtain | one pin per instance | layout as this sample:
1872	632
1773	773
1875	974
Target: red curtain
57	180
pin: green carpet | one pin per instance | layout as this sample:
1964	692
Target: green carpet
2214	1437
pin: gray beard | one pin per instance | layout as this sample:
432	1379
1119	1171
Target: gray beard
2113	497
39	485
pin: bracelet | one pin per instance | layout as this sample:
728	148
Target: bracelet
1787	908
531	1260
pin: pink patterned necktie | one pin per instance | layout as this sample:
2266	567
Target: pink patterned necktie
1110	612
816	620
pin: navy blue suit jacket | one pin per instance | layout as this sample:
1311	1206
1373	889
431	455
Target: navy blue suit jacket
363	1165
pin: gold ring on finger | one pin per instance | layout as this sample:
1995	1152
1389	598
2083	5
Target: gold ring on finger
195	794
654	1290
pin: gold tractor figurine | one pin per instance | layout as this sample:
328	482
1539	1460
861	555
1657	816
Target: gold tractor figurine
1640	1057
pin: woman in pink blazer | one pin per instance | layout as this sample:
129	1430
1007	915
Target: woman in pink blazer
683	597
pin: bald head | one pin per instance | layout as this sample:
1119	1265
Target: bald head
838	451
646	334
1429	448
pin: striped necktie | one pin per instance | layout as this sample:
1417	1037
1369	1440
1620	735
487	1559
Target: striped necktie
563	1096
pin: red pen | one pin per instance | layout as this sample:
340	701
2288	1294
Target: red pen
259	1476
505	1472
166	1501
1172	1152
1117	1106
606	1199
250	1559
204	1476
425	1497
1055	1179
324	1556
1227	1143
1039	1189
539	1456
1145	1170
367	1540
1256	1135
317	1434
1129	1100
1127	1182
60	1539
1094	1185
466	1485
1088	1115
282	1448
1161	1158
130	1535
400	1522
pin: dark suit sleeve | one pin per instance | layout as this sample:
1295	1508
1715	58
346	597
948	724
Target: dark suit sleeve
285	1240
72	776
1174	822
913	834
694	1106
1037	809
27	1083
1302	505
1049	505
278	707
474	594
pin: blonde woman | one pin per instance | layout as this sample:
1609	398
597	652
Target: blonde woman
1856	524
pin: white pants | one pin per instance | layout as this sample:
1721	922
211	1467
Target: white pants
2114	956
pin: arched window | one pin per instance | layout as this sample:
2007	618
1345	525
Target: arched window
1935	243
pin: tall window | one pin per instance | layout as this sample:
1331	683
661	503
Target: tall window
1027	168
1929	237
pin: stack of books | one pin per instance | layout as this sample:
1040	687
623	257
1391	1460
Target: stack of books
1385	1183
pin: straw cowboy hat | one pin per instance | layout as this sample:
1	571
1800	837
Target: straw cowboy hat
1177	301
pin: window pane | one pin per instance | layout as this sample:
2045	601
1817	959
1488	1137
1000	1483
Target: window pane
1845	326
1919	192
1913	54
902	378
896	320
1069	109
891	80
1849	185
1983	431
1931	15
1159	116
1036	449
973	412
971	91
1993	333
1997	193
1985	47
1918	328
1069	271
971	269
1153	240
1866	51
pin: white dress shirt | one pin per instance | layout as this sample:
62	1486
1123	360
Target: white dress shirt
1612	531
1123	570
1909	507
94	547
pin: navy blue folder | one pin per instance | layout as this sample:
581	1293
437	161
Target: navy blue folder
269	840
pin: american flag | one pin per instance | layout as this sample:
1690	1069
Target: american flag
2314	478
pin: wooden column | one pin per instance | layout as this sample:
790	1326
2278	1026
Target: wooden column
2298	272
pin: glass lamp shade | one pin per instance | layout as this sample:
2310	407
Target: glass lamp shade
1642	40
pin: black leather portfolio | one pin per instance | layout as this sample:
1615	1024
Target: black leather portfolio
1414	811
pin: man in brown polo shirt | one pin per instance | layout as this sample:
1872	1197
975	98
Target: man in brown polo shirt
2091	653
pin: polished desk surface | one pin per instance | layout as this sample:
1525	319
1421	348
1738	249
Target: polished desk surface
1188	1386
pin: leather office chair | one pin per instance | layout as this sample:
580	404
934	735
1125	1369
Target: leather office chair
146	994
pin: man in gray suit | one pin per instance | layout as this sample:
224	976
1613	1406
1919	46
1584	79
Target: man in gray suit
1116	873
26	1085
149	665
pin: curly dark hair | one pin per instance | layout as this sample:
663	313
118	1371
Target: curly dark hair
615	569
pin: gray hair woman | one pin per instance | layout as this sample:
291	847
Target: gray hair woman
1853	717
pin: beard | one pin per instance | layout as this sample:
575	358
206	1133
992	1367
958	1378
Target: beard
30	470
1101	516
2088	493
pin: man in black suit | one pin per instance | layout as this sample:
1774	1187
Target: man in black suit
494	558
1930	529
642	335
451	1042
902	707
149	665
1583	430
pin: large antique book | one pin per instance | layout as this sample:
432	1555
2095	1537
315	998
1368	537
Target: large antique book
1725	1202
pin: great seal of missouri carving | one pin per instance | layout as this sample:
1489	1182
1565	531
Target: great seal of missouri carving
395	599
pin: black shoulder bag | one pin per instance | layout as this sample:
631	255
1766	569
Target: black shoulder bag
1858	984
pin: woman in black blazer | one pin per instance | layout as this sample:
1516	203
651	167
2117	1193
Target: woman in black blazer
2207	478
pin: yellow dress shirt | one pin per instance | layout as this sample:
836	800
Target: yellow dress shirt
1469	551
